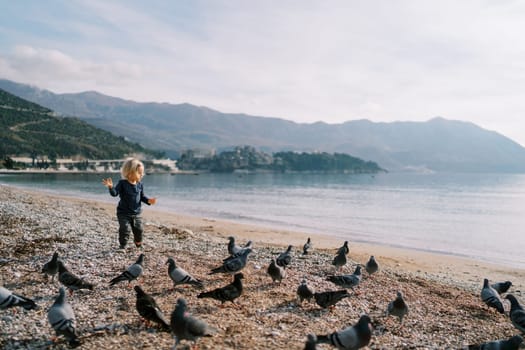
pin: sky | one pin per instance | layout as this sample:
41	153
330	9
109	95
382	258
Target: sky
300	60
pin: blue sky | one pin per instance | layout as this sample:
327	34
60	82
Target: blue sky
302	60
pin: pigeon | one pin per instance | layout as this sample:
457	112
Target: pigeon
347	281
276	272
513	343
240	251
307	246
132	272
233	248
187	327
491	297
371	265
233	264
304	292
343	248
229	292
70	280
502	287
50	268
397	307
148	308
517	314
285	258
339	260
330	298
311	342
350	338
9	299
180	276
61	317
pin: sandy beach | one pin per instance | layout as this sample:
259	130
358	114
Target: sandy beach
442	291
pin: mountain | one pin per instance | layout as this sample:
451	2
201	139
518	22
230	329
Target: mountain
437	145
28	129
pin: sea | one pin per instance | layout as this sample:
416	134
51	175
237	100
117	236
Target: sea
479	216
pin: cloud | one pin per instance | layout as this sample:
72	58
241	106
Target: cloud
54	68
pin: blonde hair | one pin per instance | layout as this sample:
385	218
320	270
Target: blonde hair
131	166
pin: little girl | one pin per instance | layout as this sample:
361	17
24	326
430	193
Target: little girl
131	193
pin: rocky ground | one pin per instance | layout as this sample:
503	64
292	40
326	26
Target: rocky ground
443	314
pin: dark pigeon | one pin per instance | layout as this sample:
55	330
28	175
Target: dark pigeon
304	291
347	281
516	314
398	307
285	258
344	248
330	298
501	287
229	292
70	280
276	272
147	308
339	260
50	268
371	265
513	343
491	297
187	327
311	342
307	246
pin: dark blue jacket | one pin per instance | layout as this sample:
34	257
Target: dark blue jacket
131	197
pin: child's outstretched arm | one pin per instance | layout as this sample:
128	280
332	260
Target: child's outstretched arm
108	183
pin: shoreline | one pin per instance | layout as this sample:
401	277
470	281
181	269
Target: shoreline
466	272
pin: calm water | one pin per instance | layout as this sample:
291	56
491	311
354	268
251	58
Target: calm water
474	215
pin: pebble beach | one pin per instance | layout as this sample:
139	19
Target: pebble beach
442	291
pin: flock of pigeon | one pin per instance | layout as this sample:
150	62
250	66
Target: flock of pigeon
183	326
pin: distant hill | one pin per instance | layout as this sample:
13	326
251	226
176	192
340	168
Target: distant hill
436	145
28	129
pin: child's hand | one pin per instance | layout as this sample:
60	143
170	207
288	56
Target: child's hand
152	200
108	182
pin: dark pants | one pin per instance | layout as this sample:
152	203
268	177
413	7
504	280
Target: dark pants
128	224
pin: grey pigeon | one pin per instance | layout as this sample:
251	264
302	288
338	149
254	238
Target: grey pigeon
229	292
276	272
285	258
234	264
491	297
517	314
513	343
344	248
397	307
311	342
187	327
147	307
179	276
501	287
347	281
371	265
307	246
233	248
339	260
70	280
304	291
50	268
350	338
9	299
132	272
330	298
61	317
240	250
